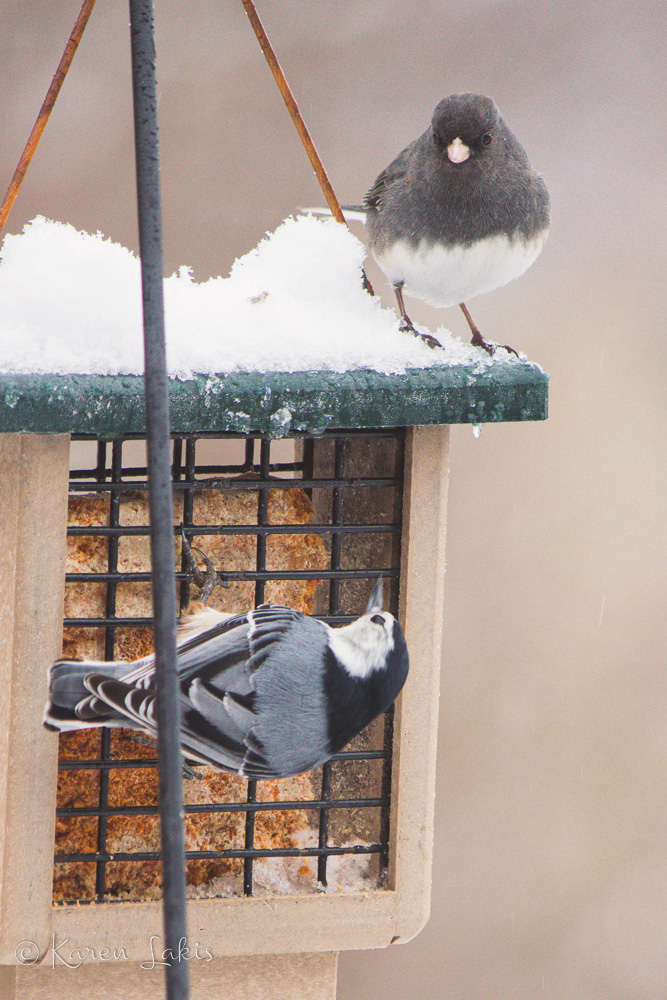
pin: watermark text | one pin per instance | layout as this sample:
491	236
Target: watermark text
63	953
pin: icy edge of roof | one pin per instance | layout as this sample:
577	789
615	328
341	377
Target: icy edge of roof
277	403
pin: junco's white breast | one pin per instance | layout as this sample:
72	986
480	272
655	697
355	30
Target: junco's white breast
446	276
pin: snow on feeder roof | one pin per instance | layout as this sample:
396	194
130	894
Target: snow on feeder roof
289	342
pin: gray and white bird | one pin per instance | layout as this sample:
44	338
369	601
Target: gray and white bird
267	694
458	213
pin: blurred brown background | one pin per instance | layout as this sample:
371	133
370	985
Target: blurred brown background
550	874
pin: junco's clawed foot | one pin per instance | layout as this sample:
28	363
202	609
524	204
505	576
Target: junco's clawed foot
406	325
477	339
459	212
491	347
428	339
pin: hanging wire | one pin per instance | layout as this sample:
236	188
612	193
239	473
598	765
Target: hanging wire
172	838
297	118
45	111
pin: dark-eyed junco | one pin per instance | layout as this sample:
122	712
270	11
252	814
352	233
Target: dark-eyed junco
459	212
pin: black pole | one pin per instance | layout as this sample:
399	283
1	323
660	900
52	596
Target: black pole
160	497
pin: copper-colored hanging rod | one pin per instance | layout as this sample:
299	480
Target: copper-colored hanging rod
45	111
299	124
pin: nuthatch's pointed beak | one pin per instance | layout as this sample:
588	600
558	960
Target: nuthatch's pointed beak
457	151
376	599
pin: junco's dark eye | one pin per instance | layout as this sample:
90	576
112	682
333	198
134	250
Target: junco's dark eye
486	139
378	619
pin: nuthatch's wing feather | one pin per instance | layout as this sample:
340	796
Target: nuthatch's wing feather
142	671
256	768
288	656
222	650
220	658
226	625
224	645
269	624
130	702
217	674
215	711
240	712
201	740
241	683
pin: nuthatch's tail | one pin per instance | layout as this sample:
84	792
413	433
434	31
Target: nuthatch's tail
71	704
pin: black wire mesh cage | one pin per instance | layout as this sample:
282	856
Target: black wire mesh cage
308	522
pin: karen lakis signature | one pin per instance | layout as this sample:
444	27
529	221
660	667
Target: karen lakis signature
64	953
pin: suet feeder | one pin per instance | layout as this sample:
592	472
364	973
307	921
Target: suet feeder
300	488
340	859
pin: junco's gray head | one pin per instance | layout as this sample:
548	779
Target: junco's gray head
464	125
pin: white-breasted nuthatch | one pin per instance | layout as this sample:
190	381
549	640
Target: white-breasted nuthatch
267	694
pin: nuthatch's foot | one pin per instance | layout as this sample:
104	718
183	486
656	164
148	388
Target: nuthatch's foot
206	579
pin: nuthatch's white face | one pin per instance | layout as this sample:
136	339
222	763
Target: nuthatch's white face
364	645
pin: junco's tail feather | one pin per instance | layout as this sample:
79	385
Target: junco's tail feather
351	213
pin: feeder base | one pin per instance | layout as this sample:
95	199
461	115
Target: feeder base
262	977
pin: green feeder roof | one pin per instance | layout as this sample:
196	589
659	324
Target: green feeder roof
277	403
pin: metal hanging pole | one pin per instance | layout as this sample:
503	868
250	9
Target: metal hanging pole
160	498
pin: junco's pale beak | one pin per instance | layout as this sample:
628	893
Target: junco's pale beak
457	151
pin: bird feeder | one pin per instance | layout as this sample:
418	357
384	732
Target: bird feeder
301	488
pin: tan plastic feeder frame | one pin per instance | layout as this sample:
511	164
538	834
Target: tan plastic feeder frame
262	946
